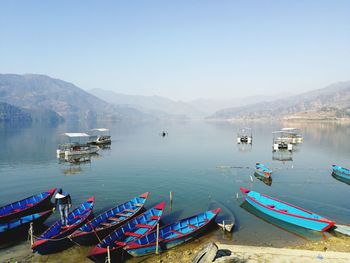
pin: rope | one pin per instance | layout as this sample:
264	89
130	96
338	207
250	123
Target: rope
94	230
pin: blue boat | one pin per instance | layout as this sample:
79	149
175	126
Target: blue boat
286	212
130	231
173	234
102	225
262	170
55	239
16	227
341	172
27	206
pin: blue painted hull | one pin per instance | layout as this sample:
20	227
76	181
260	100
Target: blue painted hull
163	246
318	226
341	172
296	219
173	235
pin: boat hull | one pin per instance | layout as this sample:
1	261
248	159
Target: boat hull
341	172
292	219
21	231
142	251
90	238
44	204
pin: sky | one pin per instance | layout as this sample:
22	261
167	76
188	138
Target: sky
180	49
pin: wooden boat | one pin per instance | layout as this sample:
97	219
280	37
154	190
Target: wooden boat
27	206
286	212
130	231
55	237
173	234
103	224
21	225
262	170
341	172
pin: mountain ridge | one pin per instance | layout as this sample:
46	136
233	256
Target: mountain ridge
333	98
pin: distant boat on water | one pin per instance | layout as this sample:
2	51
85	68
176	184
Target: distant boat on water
340	173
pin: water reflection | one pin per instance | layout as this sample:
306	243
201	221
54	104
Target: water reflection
244	147
341	179
283	156
265	180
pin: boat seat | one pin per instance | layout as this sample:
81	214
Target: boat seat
271	206
154	218
129	210
132	234
29	205
138	204
144	226
120	244
114	219
105	224
121	214
176	232
193	226
17	210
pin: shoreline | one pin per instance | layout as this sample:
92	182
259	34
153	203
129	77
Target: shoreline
334	249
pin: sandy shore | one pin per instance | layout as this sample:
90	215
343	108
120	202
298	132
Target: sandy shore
333	249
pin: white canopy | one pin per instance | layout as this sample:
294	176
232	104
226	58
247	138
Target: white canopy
100	129
76	134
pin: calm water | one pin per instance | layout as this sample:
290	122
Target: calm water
186	163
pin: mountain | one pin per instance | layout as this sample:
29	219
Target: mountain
42	94
155	105
331	102
165	108
10	113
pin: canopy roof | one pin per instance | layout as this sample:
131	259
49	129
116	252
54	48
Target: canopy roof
76	134
100	129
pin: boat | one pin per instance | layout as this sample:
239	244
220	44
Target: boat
295	230
130	231
244	135
172	235
293	135
19	226
27	206
102	225
281	141
77	145
262	170
55	239
99	136
286	212
341	172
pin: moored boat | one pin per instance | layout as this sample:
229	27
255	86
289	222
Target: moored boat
27	206
341	171
262	170
98	228
173	234
100	136
286	212
55	237
21	225
130	231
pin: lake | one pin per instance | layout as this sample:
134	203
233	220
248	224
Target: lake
199	162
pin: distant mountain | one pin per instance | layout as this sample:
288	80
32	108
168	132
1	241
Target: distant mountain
10	113
155	105
328	103
210	106
41	94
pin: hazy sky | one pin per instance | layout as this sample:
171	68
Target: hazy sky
180	49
